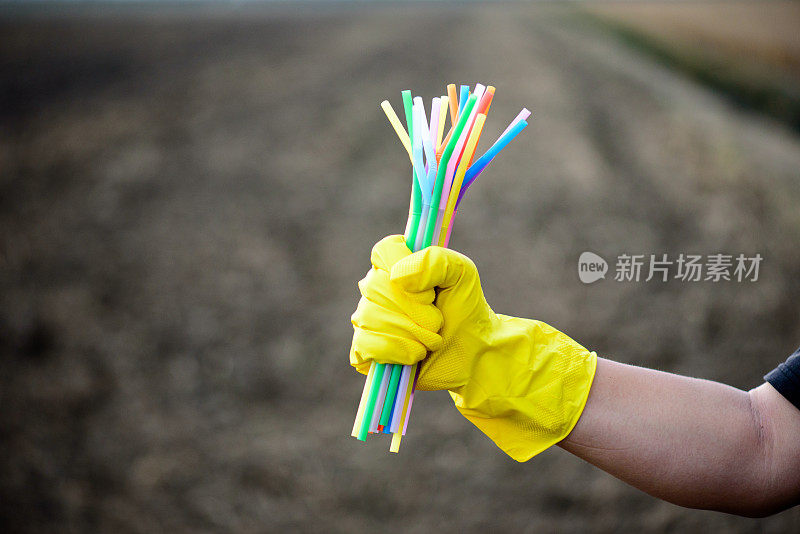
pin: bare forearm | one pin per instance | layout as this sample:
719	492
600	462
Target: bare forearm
692	442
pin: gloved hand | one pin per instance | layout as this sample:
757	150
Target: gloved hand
520	381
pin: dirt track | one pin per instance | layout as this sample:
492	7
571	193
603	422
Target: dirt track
188	201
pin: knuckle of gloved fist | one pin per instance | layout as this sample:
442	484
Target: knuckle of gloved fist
360	317
374	282
395	351
430	318
421	297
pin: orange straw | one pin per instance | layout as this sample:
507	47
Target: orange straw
453	96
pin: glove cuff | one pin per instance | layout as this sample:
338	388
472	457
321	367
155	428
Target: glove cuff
528	388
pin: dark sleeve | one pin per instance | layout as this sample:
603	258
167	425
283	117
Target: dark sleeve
786	378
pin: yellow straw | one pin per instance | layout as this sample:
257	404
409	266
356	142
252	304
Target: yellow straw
397	437
398	127
463	165
362	404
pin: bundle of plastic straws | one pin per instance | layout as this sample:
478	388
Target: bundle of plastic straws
443	169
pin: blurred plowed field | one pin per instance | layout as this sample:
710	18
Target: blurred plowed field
188	197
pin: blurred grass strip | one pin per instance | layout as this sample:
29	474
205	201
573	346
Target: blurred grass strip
750	84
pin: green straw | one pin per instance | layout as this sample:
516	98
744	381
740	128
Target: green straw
391	392
437	188
416	194
373	397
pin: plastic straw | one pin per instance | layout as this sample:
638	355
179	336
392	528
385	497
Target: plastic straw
459	178
437	190
483	107
487	158
401	395
453	97
393	398
391	392
462	97
427	144
521	116
383	384
411	400
459	147
486	100
434	127
362	403
453	163
442	113
371	400
398	128
416	192
403	423
425	178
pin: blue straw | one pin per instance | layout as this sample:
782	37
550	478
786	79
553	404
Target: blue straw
462	98
482	162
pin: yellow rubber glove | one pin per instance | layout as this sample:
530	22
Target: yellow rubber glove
522	382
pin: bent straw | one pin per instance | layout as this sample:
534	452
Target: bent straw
398	128
437	189
469	150
427	143
521	116
427	185
416	193
483	107
425	179
487	158
490	154
413	216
